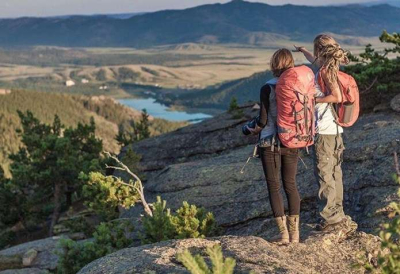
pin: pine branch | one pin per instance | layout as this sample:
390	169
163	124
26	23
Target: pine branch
138	187
368	89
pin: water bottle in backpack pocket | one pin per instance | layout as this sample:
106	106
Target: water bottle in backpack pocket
346	112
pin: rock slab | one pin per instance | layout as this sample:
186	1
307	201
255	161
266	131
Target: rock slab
319	254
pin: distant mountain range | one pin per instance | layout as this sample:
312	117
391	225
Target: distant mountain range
115	16
394	3
233	22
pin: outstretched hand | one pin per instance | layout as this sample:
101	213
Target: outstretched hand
298	48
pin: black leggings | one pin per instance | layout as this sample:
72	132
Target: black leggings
284	161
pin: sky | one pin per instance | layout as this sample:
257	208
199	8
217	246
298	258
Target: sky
19	8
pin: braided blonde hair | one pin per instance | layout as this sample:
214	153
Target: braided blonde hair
330	55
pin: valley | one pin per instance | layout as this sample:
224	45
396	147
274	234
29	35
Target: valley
191	71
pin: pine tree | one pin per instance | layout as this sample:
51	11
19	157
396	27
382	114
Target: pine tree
377	74
127	136
234	109
136	132
48	166
233	105
143	131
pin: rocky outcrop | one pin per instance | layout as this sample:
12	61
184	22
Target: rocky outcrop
44	255
319	254
201	164
240	201
25	271
198	141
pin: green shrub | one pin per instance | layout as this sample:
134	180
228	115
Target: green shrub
104	194
234	109
390	262
197	265
158	227
6	237
188	222
233	105
193	222
389	256
79	224
108	238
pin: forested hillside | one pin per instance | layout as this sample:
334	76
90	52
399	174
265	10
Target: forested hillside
108	116
233	22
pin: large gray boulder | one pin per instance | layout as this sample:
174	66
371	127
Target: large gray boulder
319	254
25	271
395	103
46	259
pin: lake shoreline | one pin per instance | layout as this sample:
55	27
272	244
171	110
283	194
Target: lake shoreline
159	110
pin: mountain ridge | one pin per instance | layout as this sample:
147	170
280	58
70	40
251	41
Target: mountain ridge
233	22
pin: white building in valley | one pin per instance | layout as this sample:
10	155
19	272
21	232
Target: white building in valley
5	91
69	83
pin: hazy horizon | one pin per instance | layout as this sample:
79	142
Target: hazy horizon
46	8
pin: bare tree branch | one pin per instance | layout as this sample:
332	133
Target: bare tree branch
138	186
368	89
114	167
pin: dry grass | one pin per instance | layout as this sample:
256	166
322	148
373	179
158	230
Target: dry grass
219	64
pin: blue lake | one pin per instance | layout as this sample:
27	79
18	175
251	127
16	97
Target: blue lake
161	111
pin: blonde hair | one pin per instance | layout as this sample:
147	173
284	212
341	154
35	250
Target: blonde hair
329	55
281	60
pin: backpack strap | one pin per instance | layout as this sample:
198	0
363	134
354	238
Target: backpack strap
336	119
323	113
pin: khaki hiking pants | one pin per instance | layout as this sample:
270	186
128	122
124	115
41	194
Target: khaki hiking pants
328	157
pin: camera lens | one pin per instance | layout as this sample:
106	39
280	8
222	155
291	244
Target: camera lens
245	130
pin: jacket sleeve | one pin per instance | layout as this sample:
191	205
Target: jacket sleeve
264	105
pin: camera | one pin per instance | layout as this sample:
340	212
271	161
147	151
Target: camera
251	124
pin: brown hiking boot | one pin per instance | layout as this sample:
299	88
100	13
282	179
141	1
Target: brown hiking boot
323	226
293	225
349	225
283	238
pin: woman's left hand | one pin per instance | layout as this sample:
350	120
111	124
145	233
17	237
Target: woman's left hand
255	131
